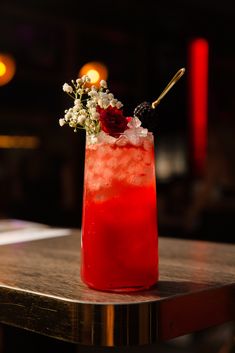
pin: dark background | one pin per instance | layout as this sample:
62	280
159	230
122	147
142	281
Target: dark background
143	43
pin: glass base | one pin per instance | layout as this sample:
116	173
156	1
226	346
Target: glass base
122	289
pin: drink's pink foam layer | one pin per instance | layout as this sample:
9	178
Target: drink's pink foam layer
119	217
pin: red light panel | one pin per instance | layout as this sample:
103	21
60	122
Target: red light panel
198	90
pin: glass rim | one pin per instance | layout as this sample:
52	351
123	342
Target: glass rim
118	134
117	140
136	133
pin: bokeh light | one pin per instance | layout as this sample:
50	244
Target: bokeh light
7	68
94	75
3	69
97	71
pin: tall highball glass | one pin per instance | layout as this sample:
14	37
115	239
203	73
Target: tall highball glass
119	227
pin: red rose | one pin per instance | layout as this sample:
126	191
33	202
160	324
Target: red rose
112	120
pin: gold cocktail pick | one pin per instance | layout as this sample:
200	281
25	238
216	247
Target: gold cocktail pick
169	86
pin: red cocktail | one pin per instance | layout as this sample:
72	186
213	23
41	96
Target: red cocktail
119	231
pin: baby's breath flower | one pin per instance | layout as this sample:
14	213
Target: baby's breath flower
95	116
93	93
89	101
72	123
105	103
87	122
77	105
102	94
100	102
91	104
113	102
92	110
119	105
62	122
75	108
85	78
78	81
67	88
67	116
81	119
103	84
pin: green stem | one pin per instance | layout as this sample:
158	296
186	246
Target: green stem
70	95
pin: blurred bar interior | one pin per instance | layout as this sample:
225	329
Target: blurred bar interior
138	46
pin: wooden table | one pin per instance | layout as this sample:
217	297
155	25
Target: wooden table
41	291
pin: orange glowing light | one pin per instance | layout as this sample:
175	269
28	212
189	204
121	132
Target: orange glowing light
3	69
7	68
95	70
94	75
23	142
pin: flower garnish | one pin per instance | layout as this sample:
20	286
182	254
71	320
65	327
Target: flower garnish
112	120
94	109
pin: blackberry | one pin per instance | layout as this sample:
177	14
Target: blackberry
146	114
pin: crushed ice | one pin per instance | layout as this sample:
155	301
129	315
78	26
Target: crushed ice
136	132
103	137
134	123
133	135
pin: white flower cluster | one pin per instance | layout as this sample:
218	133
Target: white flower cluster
84	114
